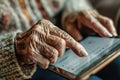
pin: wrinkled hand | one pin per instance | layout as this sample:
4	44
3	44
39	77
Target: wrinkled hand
93	20
44	43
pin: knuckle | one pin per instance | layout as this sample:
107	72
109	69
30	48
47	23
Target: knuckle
53	59
36	27
62	42
40	25
41	21
94	23
45	64
55	52
109	21
84	13
50	53
44	21
95	12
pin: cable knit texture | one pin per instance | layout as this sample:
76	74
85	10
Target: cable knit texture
11	67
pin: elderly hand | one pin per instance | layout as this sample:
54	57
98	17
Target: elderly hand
44	43
93	20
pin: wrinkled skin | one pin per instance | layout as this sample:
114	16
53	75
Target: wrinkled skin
44	43
93	21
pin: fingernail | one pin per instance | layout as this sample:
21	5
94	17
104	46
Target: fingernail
80	50
115	34
83	52
107	34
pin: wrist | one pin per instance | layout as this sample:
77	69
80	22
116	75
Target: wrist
19	49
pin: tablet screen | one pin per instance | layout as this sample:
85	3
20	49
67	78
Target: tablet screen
96	47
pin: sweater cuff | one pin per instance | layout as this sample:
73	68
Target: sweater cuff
12	68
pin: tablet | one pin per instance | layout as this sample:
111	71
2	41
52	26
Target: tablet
101	51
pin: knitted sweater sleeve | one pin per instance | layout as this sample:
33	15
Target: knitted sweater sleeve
11	67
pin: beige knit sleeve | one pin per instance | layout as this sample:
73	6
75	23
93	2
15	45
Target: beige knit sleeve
10	67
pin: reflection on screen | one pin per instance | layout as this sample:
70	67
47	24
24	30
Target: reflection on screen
96	48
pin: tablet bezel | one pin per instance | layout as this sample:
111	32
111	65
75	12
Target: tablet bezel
98	65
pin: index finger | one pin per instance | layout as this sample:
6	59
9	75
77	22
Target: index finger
70	42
